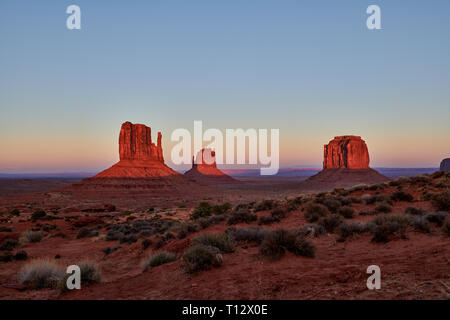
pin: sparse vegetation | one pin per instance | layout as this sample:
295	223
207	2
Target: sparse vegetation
200	257
446	227
386	226
277	242
204	209
252	234
9	244
437	217
331	222
275	216
158	259
90	272
400	195
15	212
31	236
220	241
265	205
346	212
415	211
442	201
314	211
346	230
383	207
241	215
38	214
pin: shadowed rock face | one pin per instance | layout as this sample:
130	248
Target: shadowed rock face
445	165
348	152
135	143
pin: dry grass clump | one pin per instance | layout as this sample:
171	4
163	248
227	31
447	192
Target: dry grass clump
41	273
400	195
30	236
90	272
158	259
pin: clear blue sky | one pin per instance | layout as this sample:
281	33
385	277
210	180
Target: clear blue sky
310	68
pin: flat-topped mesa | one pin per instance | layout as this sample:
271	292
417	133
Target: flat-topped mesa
348	152
445	165
135	143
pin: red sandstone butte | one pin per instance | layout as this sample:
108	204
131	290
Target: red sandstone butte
346	152
204	169
135	143
139	156
346	162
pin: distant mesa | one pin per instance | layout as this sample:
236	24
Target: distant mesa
204	170
346	162
445	165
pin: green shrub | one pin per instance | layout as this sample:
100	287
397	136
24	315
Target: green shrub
158	259
220	241
442	201
313	211
420	223
31	236
383	207
252	234
346	230
277	242
203	209
314	230
265	205
9	244
400	195
346	212
275	216
38	214
415	211
200	257
41	273
437	217
221	208
446	227
241	215
331	222
90	272
386	226
15	212
332	204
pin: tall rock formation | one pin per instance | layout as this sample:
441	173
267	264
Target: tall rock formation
204	169
445	165
346	152
135	143
141	168
346	162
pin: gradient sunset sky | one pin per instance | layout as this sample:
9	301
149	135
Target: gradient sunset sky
310	68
